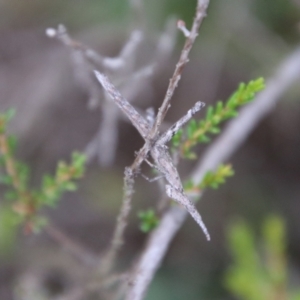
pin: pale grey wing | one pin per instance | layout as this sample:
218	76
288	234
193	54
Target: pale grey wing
137	120
189	206
165	165
166	137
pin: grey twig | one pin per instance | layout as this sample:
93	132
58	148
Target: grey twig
71	246
117	239
230	140
183	60
127	55
83	60
62	34
155	249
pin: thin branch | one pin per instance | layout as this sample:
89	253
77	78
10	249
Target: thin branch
127	54
118	237
62	34
71	246
82	291
83	59
181	26
183	60
235	133
155	249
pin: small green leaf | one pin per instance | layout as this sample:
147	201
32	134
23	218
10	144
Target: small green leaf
12	143
6	179
230	114
70	186
191	128
39	223
188	184
219	107
11	195
8	230
214	130
176	140
190	155
209	113
214	179
148	220
203	138
9	114
48	181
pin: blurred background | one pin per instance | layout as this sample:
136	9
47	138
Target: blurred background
57	113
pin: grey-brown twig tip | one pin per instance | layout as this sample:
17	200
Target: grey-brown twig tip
181	26
108	87
99	76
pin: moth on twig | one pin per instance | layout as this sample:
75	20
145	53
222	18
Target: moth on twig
159	150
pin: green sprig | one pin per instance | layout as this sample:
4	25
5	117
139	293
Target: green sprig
25	201
148	219
54	186
214	179
198	132
211	179
259	269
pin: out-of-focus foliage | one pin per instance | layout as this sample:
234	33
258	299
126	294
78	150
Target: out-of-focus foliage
211	179
259	270
8	226
197	132
23	202
214	179
148	220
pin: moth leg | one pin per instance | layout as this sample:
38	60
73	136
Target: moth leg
151	164
154	178
154	167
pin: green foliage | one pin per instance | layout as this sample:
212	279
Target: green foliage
198	132
54	186
149	220
211	179
5	118
256	275
8	224
25	202
214	179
